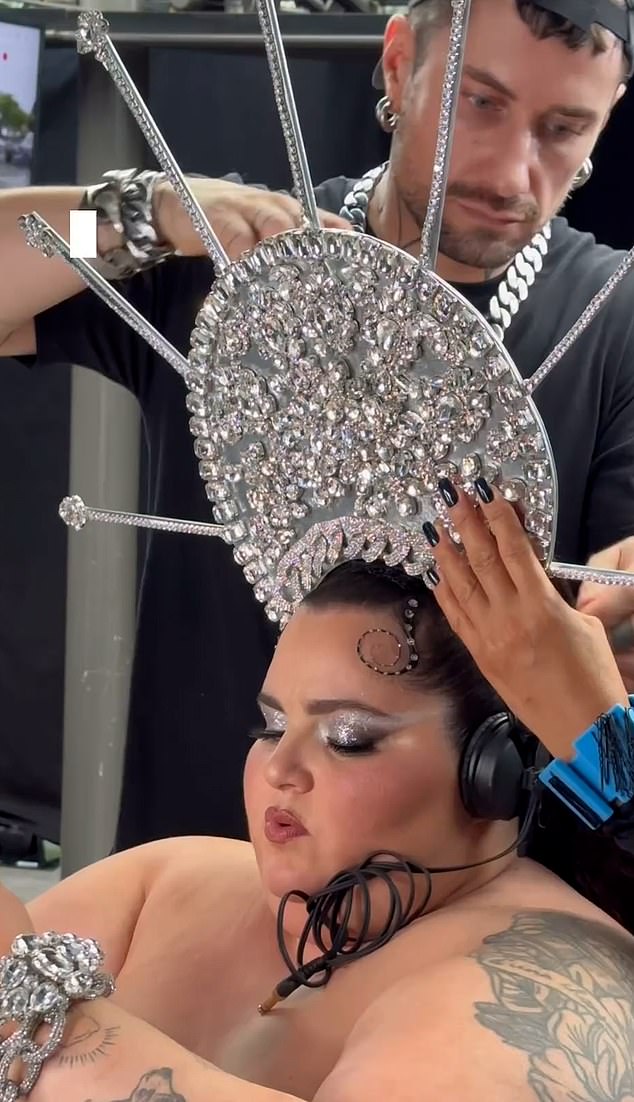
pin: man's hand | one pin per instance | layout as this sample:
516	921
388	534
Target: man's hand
614	605
240	216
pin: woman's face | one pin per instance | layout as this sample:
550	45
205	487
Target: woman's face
362	761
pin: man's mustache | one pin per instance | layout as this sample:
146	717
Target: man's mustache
525	209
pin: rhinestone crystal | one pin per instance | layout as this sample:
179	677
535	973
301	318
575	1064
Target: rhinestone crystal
329	403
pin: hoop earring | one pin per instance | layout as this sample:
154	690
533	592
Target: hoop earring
583	175
386	117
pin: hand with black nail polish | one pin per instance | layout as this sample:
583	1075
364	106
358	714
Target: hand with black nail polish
449	492
552	666
483	490
430	533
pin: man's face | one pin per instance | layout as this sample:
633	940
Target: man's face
530	112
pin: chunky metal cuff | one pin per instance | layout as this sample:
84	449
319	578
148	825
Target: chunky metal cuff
40	979
125	201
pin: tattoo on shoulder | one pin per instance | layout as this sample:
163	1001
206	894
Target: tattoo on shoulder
563	991
86	1041
155	1086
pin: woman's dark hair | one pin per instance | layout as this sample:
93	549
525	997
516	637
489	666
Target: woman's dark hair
444	664
589	862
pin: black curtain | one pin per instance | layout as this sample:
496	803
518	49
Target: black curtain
234	125
216	110
34	429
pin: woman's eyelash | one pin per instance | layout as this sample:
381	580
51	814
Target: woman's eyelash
265	733
366	746
348	749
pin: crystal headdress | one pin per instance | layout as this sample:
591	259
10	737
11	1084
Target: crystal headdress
333	379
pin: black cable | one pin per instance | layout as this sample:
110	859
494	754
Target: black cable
330	908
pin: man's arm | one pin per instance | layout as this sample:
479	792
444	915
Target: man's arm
610	508
31	283
241	216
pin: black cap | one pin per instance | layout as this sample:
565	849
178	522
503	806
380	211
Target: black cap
583	13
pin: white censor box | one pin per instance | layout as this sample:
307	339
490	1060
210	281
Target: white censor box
83	234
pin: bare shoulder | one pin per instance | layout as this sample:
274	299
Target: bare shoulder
201	866
106	900
541	1009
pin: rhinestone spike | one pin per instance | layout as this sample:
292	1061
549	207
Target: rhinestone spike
588	315
448	103
297	159
40	235
76	514
92	37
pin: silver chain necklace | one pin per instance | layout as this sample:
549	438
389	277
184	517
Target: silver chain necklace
518	278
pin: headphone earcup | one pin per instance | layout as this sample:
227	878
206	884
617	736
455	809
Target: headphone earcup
492	771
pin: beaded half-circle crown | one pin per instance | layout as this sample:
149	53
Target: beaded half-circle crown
333	379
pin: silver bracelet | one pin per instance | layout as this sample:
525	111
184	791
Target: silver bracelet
40	979
124	200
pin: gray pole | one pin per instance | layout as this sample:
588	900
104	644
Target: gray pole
101	597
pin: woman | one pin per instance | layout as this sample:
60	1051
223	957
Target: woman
509	985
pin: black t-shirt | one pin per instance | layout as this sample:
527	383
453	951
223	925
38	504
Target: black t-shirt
203	642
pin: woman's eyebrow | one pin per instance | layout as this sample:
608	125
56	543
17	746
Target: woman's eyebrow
325	707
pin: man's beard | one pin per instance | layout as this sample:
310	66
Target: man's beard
481	247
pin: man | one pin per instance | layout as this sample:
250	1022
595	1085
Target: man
519	146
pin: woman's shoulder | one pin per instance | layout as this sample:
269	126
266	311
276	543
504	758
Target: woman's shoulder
525	914
196	873
107	899
539	1003
528	888
195	864
221	852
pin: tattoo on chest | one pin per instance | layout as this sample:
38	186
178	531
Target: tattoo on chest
155	1086
86	1042
564	994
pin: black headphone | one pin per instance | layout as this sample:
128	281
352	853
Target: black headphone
497	774
496	770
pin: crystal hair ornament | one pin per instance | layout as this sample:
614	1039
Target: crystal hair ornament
333	380
384	652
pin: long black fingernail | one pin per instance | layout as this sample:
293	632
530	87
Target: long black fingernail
448	491
483	490
430	533
432	578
